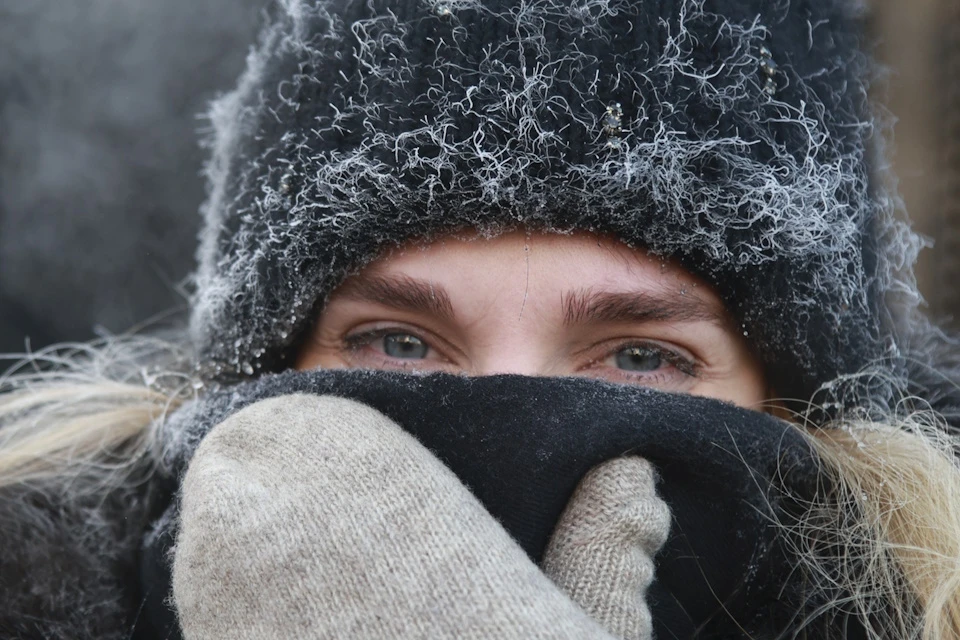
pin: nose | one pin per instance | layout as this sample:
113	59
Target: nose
519	344
516	359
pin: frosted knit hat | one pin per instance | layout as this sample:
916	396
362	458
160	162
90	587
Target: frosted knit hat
730	135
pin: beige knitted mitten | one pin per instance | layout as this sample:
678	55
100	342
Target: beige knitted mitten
601	553
318	517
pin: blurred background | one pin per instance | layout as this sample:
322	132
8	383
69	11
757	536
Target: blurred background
100	167
919	43
99	158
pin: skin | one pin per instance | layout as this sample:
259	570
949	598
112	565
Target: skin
541	305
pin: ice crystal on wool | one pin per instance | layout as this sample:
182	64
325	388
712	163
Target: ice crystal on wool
358	126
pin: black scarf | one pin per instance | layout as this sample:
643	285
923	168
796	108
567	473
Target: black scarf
522	444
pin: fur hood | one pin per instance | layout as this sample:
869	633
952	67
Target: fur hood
735	137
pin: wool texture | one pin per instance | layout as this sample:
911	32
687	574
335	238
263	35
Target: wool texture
69	560
731	136
356	530
521	445
601	553
734	137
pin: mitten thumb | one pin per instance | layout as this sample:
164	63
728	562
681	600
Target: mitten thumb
601	553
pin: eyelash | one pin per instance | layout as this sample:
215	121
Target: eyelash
357	341
688	366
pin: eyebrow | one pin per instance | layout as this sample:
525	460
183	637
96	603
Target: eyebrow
588	306
399	292
579	306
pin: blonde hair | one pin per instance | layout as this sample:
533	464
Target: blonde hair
886	539
884	536
87	414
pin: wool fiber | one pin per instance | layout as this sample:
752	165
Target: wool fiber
359	126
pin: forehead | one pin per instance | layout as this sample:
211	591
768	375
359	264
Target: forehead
569	261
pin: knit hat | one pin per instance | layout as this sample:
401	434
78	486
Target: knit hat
729	135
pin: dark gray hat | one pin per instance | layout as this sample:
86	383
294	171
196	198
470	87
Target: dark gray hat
732	136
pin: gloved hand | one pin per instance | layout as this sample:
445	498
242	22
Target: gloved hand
318	517
602	551
521	445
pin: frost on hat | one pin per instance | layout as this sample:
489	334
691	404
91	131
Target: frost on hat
732	135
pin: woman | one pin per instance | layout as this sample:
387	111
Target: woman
669	196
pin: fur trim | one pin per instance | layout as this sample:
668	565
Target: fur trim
359	125
67	571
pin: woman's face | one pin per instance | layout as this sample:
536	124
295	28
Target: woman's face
538	305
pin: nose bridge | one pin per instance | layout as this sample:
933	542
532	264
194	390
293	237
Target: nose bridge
513	348
516	333
516	363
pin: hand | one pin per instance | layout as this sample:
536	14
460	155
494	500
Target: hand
318	517
602	551
521	445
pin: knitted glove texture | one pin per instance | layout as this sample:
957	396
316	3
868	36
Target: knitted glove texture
602	552
521	445
318	517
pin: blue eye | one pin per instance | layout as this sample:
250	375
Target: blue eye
404	346
638	359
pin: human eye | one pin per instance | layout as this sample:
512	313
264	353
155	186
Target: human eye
403	346
647	363
393	347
